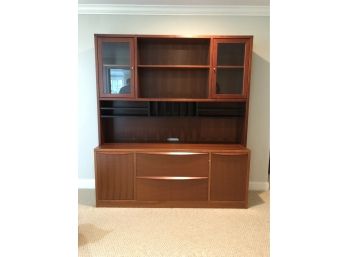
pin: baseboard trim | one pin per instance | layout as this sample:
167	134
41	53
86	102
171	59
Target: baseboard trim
253	185
258	186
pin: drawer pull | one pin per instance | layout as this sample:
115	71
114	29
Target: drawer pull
173	139
112	152
174	153
231	153
171	178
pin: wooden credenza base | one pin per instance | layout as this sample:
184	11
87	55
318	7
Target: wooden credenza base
172	175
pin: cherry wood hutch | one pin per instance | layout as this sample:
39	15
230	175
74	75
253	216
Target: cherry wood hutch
173	118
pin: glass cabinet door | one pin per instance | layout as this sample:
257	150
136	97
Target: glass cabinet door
116	67
229	68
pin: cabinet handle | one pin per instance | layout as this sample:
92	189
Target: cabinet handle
175	153
111	152
231	153
172	178
132	68
214	69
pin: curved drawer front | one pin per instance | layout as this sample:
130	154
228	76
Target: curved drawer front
176	164
172	189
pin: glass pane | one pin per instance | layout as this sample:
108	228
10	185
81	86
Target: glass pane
116	53
229	81
230	54
117	81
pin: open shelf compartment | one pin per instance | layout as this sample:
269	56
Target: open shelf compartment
173	51
182	122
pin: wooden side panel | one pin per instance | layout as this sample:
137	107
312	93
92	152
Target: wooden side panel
170	164
229	175
172	190
115	176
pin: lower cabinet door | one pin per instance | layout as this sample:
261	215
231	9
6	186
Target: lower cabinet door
114	176
171	189
229	177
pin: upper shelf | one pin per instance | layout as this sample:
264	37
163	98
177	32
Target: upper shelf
230	66
173	51
143	99
138	147
175	66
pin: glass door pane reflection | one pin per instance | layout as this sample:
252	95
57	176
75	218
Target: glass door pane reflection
118	81
116	53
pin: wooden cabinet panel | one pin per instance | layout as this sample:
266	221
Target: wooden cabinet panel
115	176
229	177
171	189
172	164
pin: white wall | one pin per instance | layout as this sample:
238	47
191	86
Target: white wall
258	132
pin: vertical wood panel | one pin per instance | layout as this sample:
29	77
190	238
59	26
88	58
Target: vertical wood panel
228	177
249	53
115	176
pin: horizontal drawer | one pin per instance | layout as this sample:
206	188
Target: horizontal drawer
172	189
176	164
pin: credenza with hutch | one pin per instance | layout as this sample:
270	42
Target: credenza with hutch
172	117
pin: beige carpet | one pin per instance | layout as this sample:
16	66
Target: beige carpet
137	232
